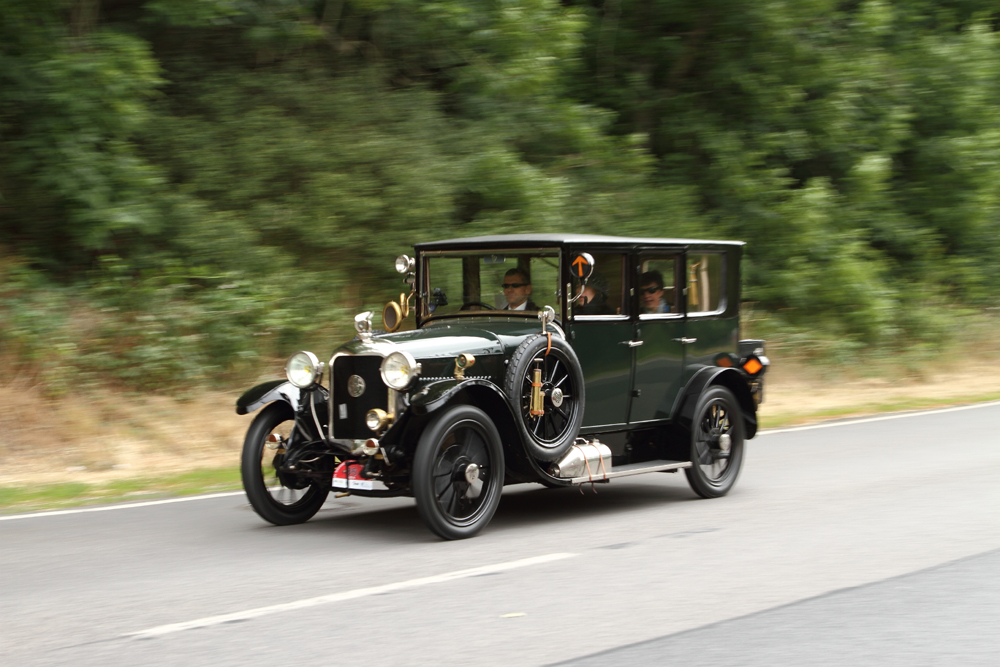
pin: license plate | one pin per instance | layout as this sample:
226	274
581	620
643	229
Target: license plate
348	476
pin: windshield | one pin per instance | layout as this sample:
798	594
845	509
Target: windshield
471	283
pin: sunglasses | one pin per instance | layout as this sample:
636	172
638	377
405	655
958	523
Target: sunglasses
514	285
650	290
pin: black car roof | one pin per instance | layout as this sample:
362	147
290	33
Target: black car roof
520	240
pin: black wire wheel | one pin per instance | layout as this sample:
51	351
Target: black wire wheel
716	443
279	497
545	386
458	472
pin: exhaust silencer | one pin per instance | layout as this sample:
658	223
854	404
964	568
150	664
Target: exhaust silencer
584	458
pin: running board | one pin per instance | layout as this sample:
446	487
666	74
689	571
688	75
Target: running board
632	469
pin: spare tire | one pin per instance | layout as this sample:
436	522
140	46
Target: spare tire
548	435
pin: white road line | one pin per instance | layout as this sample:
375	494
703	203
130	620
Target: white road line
865	420
791	429
209	621
108	508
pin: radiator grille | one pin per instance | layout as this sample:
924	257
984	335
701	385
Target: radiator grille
348	412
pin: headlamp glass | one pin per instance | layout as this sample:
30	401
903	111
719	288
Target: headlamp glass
399	370
302	369
404	264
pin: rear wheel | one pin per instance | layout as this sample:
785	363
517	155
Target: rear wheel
281	498
458	472
716	443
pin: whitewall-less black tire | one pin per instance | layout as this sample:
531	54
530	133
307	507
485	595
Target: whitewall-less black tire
458	472
550	435
272	498
716	443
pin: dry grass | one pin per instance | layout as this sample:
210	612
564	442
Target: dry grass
795	395
106	437
103	437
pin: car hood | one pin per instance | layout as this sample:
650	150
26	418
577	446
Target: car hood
449	337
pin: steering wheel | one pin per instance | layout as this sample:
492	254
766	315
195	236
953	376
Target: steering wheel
470	304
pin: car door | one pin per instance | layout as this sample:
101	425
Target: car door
712	325
600	331
659	334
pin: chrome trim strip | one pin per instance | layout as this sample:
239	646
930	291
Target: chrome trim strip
312	408
538	251
601	318
330	437
371	348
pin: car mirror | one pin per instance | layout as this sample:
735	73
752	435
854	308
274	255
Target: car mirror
582	268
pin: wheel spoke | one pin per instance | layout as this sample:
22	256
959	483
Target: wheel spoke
442	467
473	443
552	375
702	449
461	437
481	458
447	487
455	501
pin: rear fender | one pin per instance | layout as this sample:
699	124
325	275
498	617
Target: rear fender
730	378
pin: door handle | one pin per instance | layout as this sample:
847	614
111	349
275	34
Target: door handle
631	343
686	341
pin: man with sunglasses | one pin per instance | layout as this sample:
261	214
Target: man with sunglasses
517	291
651	293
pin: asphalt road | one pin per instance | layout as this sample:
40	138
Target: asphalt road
869	543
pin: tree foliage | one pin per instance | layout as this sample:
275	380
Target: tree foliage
185	184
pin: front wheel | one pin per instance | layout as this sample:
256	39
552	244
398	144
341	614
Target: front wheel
458	472
280	499
716	443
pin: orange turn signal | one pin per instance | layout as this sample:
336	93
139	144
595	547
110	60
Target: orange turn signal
752	366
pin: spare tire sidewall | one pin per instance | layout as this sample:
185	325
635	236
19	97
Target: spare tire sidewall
520	363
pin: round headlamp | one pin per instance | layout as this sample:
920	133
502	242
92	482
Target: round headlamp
377	420
399	370
404	264
303	369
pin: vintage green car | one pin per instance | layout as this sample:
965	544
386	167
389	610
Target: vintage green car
558	359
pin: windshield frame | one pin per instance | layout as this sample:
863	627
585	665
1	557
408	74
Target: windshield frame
423	292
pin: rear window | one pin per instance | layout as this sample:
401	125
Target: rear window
705	283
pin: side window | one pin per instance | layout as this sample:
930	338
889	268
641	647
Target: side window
604	293
657	285
705	282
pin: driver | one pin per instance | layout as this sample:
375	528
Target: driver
517	290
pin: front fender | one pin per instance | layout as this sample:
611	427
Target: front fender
268	392
486	395
437	394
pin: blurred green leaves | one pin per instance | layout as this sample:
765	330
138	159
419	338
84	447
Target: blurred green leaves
187	185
